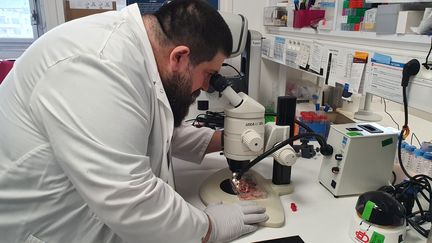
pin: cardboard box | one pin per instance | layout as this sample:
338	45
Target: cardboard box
386	18
408	19
71	14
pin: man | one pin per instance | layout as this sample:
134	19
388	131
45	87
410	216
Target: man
86	122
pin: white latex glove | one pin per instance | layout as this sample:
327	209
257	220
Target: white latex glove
230	221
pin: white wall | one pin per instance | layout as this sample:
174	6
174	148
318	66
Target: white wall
253	11
270	72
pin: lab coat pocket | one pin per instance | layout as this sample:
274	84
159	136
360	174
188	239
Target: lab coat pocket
32	239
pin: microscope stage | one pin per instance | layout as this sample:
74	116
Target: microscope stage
211	192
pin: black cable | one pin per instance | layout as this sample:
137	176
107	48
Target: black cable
197	118
189	120
229	65
405	126
321	140
282	144
209	119
303	125
426	64
385	110
405	104
420	230
394	178
400	155
419	206
407	192
414	135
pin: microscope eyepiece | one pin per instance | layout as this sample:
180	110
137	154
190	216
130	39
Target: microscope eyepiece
218	82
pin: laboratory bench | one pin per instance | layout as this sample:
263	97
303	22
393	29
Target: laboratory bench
319	218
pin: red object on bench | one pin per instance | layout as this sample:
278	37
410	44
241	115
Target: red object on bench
5	67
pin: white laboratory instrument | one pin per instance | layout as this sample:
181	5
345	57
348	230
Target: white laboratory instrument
245	139
363	231
378	217
363	158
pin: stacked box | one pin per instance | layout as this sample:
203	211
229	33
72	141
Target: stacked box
352	14
368	23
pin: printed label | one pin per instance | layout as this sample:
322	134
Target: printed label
344	141
361	236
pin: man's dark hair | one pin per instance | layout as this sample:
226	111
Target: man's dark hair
197	25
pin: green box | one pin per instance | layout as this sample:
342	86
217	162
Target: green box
346	4
360	11
354	19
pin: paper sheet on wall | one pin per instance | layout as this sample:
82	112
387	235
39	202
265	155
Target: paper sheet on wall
290	57
340	66
325	63
90	4
357	69
315	57
279	49
292	48
266	47
303	55
384	76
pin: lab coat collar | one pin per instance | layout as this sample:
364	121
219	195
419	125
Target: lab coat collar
133	10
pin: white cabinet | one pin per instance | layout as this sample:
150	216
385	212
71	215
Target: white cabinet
285	45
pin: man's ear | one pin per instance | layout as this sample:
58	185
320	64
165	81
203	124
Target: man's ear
179	58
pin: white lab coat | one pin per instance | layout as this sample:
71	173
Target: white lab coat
85	131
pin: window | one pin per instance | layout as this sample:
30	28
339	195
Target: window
18	27
15	19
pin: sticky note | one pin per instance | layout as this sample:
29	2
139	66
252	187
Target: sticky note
361	55
380	58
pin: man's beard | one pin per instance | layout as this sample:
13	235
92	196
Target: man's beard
177	88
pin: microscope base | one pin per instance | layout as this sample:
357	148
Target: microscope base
210	192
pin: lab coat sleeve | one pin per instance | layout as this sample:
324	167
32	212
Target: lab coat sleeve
97	125
190	143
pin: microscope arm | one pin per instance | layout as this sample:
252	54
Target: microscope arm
326	150
275	134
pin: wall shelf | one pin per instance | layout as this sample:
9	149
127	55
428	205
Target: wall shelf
296	68
353	36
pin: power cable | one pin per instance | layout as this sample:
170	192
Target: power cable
385	110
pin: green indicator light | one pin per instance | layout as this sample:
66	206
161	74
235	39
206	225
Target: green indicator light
354	134
367	211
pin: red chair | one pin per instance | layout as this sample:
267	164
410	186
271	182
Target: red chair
5	67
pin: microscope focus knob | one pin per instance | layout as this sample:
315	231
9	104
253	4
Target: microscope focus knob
338	157
252	140
285	156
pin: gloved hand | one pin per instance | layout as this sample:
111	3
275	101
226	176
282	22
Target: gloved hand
230	221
